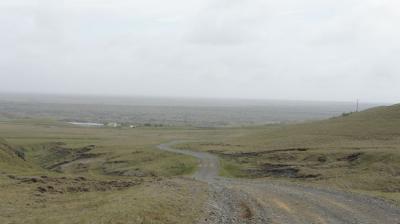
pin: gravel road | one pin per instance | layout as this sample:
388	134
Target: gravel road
258	201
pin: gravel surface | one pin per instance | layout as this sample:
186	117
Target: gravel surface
258	201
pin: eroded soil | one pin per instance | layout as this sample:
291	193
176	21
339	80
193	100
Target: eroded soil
61	185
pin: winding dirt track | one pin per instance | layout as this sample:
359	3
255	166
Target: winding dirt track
251	201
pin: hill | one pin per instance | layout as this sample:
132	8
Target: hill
358	151
379	122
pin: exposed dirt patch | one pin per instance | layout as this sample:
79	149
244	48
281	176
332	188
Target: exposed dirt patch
258	153
63	185
282	157
246	211
279	170
352	157
129	173
220	144
302	163
322	159
117	162
61	156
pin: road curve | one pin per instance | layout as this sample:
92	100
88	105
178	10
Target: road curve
234	201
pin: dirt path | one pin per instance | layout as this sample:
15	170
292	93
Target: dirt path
252	201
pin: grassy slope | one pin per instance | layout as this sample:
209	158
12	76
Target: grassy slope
120	155
358	152
10	162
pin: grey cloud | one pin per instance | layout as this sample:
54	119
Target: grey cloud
310	49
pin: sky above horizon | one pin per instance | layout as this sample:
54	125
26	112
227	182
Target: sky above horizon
261	49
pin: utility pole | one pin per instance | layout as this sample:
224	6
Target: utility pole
357	105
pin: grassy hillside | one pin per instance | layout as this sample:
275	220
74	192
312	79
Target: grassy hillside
358	151
52	172
12	160
381	123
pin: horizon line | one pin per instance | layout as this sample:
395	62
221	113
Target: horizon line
197	98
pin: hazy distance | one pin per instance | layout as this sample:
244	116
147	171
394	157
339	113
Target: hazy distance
260	49
169	111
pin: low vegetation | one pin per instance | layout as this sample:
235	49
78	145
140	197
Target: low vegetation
55	172
358	152
52	172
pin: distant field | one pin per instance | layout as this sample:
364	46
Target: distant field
169	112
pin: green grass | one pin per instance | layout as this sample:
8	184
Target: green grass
136	148
358	152
118	155
231	169
166	201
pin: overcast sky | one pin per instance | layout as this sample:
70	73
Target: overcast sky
269	49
